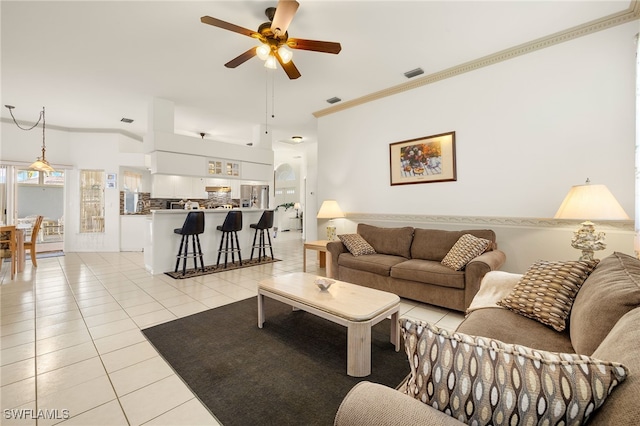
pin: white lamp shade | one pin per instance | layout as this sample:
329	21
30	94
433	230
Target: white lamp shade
296	206
285	54
590	202
330	210
270	62
263	51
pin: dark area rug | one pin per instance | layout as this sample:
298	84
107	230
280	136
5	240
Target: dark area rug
291	372
212	269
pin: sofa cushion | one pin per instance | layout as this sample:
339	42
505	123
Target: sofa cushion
612	290
393	241
484	381
464	250
376	263
434	244
622	345
490	322
428	271
547	290
356	245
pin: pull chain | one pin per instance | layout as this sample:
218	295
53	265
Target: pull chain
266	102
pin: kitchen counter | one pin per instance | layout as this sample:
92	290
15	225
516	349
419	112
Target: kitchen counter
161	243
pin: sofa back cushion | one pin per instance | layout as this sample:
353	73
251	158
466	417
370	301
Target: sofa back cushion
393	241
612	290
622	344
434	244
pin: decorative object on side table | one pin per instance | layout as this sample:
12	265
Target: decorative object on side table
590	202
330	210
423	160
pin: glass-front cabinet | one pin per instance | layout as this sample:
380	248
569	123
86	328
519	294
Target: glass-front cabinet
224	168
92	200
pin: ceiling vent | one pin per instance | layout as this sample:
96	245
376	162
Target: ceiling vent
413	73
334	100
126	120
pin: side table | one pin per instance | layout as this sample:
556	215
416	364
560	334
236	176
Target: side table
321	247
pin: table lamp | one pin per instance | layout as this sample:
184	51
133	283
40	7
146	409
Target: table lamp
330	210
587	202
297	207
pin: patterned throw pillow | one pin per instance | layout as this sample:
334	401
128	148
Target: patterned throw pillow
547	290
464	250
356	244
482	381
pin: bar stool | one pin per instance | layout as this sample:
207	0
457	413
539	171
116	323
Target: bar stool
193	226
264	224
232	224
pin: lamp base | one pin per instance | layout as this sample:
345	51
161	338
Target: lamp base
588	240
331	233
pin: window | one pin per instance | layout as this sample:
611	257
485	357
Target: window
32	177
92	200
132	185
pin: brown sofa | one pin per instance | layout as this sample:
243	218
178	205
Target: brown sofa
604	323
407	263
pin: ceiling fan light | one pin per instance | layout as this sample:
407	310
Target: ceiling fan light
285	54
270	62
263	51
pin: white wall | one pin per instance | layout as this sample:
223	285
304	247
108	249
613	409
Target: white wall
73	151
527	129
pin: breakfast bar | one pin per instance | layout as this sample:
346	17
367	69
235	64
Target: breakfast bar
161	243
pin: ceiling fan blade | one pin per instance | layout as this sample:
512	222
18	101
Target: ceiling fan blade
241	59
285	11
315	45
227	26
289	68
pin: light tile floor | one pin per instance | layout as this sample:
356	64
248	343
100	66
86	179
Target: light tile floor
71	350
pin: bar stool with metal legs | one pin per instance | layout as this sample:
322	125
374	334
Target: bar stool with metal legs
263	225
192	227
232	224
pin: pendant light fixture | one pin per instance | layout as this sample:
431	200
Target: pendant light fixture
41	164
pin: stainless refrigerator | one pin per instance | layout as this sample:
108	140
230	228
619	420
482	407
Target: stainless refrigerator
254	196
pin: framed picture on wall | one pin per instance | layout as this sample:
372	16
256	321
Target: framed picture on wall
423	160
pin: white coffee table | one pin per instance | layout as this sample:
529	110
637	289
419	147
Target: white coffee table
356	307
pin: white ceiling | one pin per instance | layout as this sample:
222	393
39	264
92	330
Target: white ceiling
91	63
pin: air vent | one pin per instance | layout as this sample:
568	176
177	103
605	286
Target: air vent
413	73
334	100
126	120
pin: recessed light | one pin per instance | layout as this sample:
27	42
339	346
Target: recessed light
334	100
296	139
126	120
413	73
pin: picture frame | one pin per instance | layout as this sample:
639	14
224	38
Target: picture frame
111	176
423	160
111	184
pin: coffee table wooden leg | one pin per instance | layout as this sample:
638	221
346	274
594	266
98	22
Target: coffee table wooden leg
395	330
260	310
359	349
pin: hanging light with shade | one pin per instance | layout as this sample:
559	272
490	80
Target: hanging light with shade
41	164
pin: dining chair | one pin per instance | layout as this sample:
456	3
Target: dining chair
8	239
31	245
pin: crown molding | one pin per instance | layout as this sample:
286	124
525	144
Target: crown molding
630	14
511	222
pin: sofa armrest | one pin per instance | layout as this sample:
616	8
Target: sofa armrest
374	404
335	248
477	269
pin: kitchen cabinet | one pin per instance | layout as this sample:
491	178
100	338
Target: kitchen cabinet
225	168
183	187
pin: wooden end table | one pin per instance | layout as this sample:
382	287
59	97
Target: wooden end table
321	247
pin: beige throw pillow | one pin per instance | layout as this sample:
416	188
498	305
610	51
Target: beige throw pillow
483	381
356	245
464	250
547	290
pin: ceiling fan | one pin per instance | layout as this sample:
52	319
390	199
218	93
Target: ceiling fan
275	41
